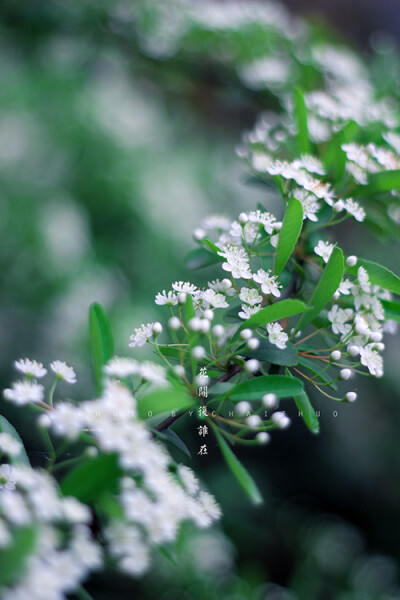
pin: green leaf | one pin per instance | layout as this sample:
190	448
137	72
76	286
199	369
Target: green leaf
164	400
273	312
13	557
326	287
378	275
173	350
379	183
22	457
253	389
92	477
267	352
101	342
170	437
308	413
392	310
199	258
320	373
189	311
241	475
300	117
214	249
289	234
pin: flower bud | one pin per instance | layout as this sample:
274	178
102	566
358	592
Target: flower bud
280	420
182	297
195	324
345	373
338	206
174	323
157	328
380	346
253	421
218	331
351	396
263	437
204	325
252	365
270	400
243	408
179	370
336	355
376	336
351	261
198	352
353	350
246	334
208	314
199	234
253	343
243	218
278	225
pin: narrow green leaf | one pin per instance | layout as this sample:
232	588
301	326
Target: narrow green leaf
164	400
22	457
241	475
378	275
214	249
253	389
273	312
199	258
307	412
326	287
13	557
170	437
189	311
392	310
300	117
101	341
267	352
289	234
320	372
379	183
92	477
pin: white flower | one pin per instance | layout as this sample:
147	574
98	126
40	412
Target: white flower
276	335
268	282
338	317
212	298
23	392
345	287
250	296
264	218
30	367
122	367
309	203
224	287
324	249
220	222
309	163
248	311
354	209
67	420
8	477
189	480
237	262
186	287
166	298
140	335
372	360
63	371
363	280
9	445
153	373
14	507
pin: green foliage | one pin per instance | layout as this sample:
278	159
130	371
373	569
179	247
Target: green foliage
92	477
301	119
378	275
267	352
6	427
379	183
14	557
101	341
163	401
274	312
241	475
307	412
289	234
253	389
326	287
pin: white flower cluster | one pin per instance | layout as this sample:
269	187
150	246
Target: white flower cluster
29	390
154	499
64	552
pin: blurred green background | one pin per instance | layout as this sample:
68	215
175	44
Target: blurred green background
108	160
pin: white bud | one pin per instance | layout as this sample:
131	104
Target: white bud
204	325
157	328
379	372
208	314
44	421
351	396
243	218
226	283
182	297
252	365
91	452
179	370
361	325
199	233
201	380
246	334
174	323
243	408
195	324
253	421
338	206
353	350
380	346
218	330
278	225
253	343
270	400
345	373
336	295
198	352
351	261
280	420
376	336
336	355
263	437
